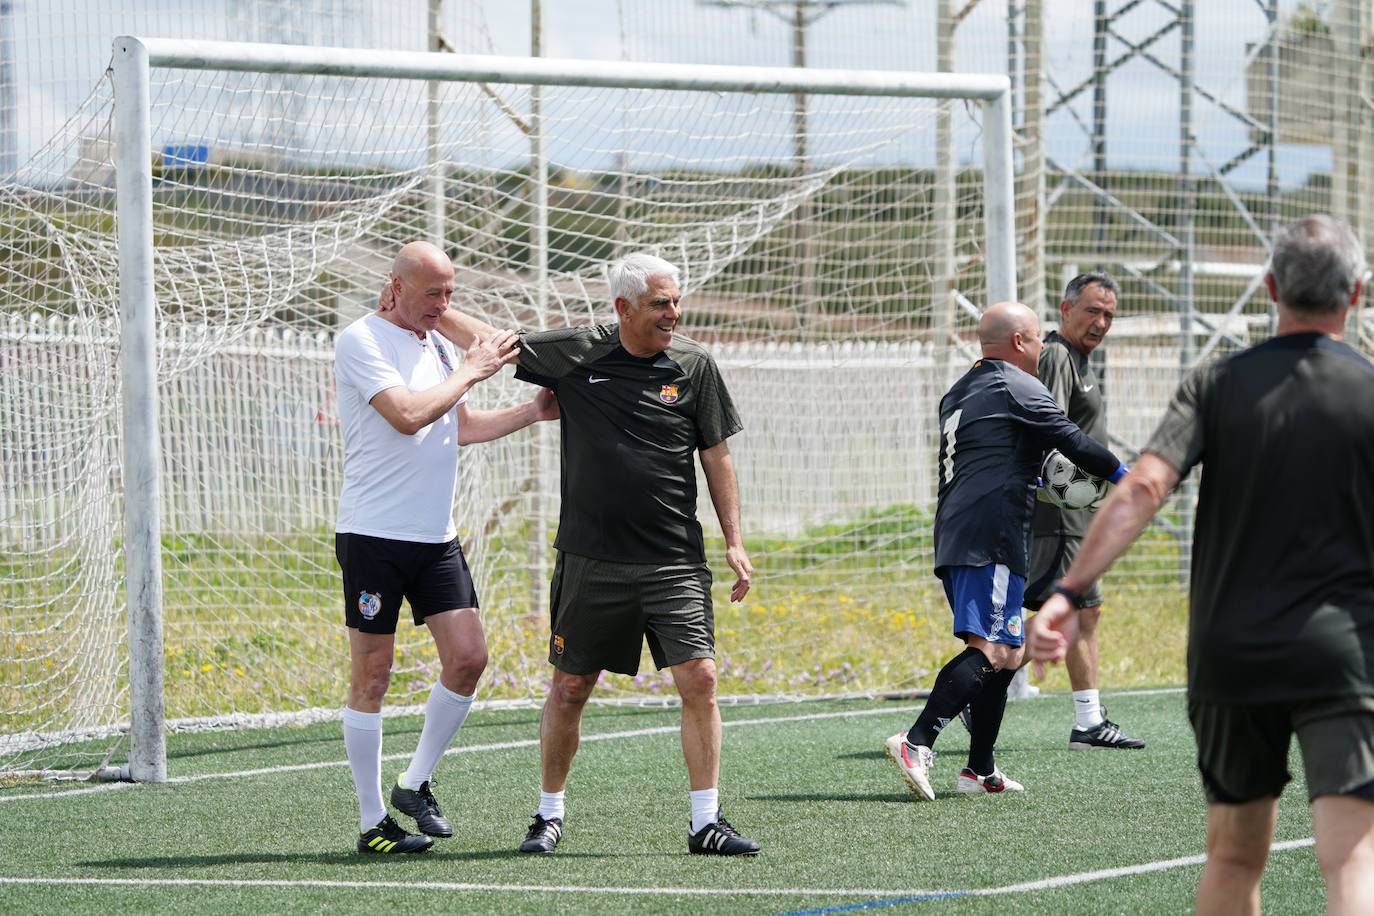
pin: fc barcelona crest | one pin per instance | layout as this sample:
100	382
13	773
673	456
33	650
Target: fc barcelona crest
668	394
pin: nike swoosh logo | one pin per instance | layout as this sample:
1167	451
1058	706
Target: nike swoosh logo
592	380
1088	388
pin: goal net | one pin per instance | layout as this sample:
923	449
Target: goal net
834	251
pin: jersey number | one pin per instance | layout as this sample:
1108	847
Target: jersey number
948	431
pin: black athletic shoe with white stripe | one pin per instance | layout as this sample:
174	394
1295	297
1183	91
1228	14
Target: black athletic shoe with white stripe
718	838
389	837
1106	735
543	834
420	804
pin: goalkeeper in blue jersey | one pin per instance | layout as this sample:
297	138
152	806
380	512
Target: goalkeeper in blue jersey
996	423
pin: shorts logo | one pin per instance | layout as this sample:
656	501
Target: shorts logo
668	394
369	604
558	645
1014	625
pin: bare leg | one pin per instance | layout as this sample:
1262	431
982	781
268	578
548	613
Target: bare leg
1081	660
560	726
1344	827
1238	839
696	683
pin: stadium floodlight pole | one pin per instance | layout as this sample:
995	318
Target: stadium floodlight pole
138	373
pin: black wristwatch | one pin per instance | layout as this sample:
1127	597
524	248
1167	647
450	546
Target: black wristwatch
1075	598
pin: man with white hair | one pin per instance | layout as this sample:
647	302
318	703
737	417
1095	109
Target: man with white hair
637	401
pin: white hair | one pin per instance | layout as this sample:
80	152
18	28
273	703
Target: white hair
629	276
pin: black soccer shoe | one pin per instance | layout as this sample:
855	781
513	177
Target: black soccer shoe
543	834
420	804
720	839
388	837
1106	735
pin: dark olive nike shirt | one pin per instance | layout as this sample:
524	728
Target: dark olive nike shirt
630	427
1282	595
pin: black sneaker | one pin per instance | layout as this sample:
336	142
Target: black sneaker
388	837
720	839
420	804
1106	735
543	834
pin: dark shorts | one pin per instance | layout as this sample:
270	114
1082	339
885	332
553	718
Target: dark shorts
379	572
986	601
602	612
1242	750
1050	557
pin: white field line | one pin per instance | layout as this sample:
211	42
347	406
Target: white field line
499	746
878	894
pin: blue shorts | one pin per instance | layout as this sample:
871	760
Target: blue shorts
986	601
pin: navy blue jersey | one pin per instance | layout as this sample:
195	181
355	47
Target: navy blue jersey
996	424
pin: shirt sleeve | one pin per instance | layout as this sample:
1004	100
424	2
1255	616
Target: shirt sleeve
1053	429
360	364
717	419
1178	438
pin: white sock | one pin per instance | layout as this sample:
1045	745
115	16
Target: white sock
445	712
363	744
550	805
705	807
1087	709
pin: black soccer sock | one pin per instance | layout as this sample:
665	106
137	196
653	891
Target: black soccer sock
987	709
959	682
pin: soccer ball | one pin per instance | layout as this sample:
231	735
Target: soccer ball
1066	485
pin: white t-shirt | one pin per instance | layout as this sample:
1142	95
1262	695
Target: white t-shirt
395	486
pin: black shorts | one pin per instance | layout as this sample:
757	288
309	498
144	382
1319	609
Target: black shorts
601	613
1050	557
1242	750
379	572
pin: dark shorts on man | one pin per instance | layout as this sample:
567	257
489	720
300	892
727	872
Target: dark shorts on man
602	613
1050	557
1242	749
379	572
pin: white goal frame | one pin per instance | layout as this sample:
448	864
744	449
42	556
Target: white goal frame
132	62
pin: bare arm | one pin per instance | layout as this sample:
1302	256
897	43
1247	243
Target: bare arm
411	411
1114	528
486	425
719	468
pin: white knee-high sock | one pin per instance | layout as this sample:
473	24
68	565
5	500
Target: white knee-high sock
363	743
445	712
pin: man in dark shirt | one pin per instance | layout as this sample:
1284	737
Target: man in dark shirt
1281	627
638	401
1085	316
996	423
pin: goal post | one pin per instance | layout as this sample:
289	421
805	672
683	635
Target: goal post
135	58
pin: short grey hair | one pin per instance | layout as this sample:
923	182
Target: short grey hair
629	276
1084	280
1316	263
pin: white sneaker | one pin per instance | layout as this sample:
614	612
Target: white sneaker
914	764
970	783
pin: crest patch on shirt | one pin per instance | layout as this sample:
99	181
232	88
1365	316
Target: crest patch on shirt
668	394
558	645
369	604
443	355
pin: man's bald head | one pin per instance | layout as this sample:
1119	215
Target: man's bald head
421	283
1010	331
